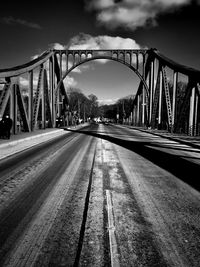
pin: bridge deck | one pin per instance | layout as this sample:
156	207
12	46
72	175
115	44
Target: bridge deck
24	140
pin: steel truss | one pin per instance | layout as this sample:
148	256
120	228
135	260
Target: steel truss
35	93
165	109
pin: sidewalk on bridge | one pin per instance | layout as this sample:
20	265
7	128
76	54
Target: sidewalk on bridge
26	140
193	141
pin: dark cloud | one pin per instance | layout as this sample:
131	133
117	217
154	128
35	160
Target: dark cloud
16	21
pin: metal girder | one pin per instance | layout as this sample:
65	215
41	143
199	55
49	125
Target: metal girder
145	74
46	96
184	107
167	97
188	71
22	109
175	79
156	98
59	77
36	101
5	96
18	70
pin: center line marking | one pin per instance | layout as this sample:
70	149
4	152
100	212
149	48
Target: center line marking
111	228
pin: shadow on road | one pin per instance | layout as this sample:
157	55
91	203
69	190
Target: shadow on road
183	169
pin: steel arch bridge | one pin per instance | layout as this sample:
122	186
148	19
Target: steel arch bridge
36	93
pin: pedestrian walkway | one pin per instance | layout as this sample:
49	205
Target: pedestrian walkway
193	141
25	140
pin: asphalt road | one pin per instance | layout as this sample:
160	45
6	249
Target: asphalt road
101	196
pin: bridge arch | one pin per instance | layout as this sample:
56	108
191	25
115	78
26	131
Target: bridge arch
88	59
155	102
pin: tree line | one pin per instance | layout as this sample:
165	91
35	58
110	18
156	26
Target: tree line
88	108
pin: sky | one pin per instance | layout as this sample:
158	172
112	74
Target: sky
29	28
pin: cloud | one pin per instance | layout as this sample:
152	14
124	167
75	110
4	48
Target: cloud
99	4
16	21
86	41
132	13
102	42
35	56
107	101
25	82
69	82
57	46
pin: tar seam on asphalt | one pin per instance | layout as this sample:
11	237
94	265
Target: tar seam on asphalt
82	230
111	228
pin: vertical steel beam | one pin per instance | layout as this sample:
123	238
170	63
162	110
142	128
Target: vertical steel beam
67	63
79	58
131	58
160	98
52	88
131	118
196	113
151	89
13	103
60	65
156	73
175	78
143	105
124	56
191	113
43	99
84	112
134	115
137	61
59	103
30	100
138	110
143	66
11	99
117	55
73	59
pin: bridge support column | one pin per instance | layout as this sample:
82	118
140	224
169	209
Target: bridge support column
52	89
13	108
43	103
174	100
137	61
59	103
30	100
143	106
196	115
67	63
192	112
134	116
61	65
138	110
151	90
160	99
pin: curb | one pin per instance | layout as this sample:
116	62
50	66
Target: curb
172	138
12	143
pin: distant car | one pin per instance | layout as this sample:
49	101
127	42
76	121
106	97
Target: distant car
59	122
